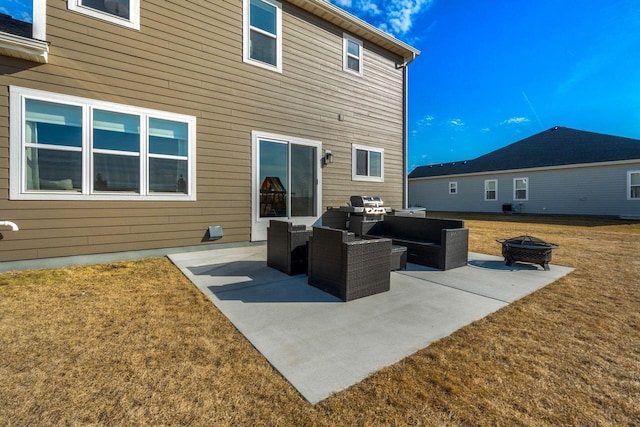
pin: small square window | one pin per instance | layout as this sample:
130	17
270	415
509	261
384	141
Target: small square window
368	163
352	54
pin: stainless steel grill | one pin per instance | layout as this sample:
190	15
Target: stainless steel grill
371	205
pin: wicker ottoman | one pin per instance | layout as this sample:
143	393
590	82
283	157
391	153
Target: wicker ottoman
398	257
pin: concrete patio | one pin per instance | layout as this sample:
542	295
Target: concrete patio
322	345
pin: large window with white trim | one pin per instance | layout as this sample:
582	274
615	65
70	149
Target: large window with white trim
490	189
262	24
121	12
367	163
520	189
71	148
633	183
352	54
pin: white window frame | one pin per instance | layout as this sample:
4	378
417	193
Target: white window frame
526	189
134	13
629	184
34	48
486	189
346	38
354	169
18	186
246	38
453	187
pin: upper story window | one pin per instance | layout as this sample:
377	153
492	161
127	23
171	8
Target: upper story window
262	23
520	189
70	148
352	54
490	189
453	187
367	163
23	30
121	12
633	178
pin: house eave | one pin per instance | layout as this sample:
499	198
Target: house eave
537	169
24	48
357	27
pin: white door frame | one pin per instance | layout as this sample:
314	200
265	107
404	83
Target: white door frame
258	224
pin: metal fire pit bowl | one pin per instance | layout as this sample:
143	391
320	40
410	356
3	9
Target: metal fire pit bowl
527	249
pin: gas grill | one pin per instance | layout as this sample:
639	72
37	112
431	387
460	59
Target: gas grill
364	209
371	205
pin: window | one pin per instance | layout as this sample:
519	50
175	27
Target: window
121	12
262	45
490	189
70	148
453	187
520	189
23	30
367	163
352	54
633	179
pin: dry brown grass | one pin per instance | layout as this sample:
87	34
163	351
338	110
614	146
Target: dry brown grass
135	343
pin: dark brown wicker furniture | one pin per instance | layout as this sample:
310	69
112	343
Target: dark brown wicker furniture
527	249
347	267
287	247
434	242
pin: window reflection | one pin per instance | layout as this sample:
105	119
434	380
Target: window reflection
17	18
273	177
113	7
303	178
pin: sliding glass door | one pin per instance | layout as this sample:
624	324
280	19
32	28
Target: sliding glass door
286	184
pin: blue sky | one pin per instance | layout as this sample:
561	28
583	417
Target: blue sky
494	72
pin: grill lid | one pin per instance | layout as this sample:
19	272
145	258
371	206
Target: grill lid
366	201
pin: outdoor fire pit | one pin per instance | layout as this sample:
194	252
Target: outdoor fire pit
527	249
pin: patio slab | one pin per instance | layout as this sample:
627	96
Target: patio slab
322	345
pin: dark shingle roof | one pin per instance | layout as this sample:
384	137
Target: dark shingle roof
557	146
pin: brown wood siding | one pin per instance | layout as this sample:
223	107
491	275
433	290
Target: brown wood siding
187	59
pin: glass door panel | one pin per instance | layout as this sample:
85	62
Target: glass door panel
303	180
287	182
274	174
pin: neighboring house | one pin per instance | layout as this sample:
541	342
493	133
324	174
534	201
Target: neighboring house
560	171
129	125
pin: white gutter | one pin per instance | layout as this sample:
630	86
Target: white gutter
405	130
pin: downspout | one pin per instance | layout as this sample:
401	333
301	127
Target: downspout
405	129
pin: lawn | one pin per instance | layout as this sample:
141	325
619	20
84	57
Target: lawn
135	343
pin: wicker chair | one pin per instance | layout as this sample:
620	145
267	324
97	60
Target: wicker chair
287	247
346	267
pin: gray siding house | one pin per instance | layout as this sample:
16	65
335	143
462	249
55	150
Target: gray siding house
560	171
129	126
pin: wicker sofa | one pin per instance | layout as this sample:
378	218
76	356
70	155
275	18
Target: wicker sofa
433	242
287	247
347	267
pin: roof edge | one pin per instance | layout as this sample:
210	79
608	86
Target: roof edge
324	9
533	169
